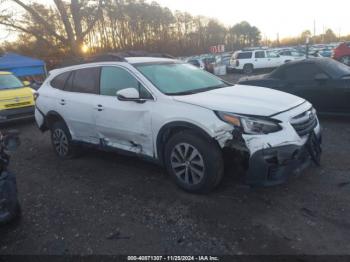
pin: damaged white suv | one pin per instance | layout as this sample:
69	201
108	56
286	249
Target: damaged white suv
179	116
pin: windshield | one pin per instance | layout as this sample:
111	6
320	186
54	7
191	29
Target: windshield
9	82
180	79
335	68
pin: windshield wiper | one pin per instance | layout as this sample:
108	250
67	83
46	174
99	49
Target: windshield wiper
191	92
196	91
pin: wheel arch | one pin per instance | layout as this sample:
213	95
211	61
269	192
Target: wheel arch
52	117
248	65
170	129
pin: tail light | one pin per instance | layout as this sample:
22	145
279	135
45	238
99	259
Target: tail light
237	62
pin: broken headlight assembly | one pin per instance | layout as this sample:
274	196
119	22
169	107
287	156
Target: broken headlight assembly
250	125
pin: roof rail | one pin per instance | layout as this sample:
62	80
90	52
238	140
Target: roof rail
112	57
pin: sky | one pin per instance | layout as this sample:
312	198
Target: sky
283	17
272	17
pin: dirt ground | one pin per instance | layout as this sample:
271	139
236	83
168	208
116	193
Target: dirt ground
104	203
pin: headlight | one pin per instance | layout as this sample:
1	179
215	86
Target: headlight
250	125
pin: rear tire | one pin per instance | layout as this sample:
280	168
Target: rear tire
248	69
61	140
195	163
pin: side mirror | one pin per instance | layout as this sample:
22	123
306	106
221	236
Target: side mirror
128	94
26	83
321	77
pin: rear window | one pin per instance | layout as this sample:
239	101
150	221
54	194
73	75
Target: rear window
59	81
245	55
86	80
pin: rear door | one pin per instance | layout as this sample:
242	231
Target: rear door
124	125
76	103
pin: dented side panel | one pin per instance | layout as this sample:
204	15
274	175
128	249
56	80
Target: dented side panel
125	125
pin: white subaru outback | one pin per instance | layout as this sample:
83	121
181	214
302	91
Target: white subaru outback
178	116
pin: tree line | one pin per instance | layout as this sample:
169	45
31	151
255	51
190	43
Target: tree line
70	27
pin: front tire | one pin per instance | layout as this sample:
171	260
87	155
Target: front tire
61	140
195	163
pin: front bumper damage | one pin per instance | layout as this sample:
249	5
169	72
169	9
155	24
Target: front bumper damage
273	158
275	165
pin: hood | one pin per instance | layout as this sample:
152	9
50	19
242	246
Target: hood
16	98
242	99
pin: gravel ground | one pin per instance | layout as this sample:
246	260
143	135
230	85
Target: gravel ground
104	203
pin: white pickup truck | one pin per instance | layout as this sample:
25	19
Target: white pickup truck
248	61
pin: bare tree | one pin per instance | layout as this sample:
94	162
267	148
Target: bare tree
70	16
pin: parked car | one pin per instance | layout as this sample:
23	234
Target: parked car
197	63
209	63
325	52
342	53
291	55
224	59
248	61
322	81
179	116
16	99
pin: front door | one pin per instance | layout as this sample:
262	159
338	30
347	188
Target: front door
124	125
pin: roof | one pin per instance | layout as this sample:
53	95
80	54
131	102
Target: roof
21	65
128	60
310	60
12	60
139	60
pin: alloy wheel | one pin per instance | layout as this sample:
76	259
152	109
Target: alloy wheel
187	164
60	142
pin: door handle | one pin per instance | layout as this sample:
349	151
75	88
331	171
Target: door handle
99	108
62	102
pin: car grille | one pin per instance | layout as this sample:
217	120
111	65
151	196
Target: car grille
17	104
305	122
20	115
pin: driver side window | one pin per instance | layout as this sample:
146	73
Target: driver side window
114	79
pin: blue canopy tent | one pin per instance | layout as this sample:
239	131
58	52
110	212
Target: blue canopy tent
22	66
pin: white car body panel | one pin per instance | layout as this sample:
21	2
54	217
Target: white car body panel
125	125
239	99
135	126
